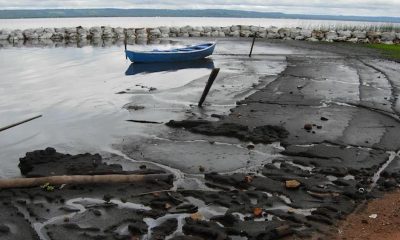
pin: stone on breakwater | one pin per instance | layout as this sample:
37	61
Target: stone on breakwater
235	34
245	33
82	32
306	33
318	34
130	33
284	32
226	30
214	34
374	37
174	30
16	35
141	33
207	29
388	36
59	33
198	29
254	29
343	33
235	28
164	30
4	34
154	33
107	32
272	33
71	34
96	32
294	32
186	29
331	36
359	34
119	33
195	34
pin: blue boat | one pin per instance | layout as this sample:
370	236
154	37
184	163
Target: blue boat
173	55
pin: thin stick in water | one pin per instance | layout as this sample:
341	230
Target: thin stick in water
19	123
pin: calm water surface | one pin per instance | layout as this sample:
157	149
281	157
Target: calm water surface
137	22
75	91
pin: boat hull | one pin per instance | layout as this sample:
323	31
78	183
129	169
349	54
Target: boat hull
166	56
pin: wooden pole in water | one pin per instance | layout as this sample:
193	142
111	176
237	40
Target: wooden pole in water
18	123
81	179
213	76
252	45
125	43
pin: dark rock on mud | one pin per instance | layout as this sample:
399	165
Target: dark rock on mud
260	134
50	162
164	229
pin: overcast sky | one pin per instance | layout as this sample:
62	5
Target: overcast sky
325	7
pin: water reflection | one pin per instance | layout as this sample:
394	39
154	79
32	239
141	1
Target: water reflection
137	68
95	42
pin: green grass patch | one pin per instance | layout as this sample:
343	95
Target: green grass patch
392	51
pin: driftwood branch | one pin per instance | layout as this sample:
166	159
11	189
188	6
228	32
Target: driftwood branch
81	179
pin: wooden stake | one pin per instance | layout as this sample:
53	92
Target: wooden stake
18	123
213	76
252	45
125	43
81	179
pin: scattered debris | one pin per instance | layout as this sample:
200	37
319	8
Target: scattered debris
48	187
292	184
134	107
257	212
196	216
308	126
248	179
250	146
201	169
144	121
373	216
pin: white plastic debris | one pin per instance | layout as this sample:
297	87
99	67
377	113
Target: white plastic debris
373	216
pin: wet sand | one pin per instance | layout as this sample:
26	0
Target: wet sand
363	224
292	159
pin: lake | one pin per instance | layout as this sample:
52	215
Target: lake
137	22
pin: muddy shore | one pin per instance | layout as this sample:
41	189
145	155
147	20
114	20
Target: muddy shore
332	117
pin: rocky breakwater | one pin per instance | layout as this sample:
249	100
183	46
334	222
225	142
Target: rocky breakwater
79	34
